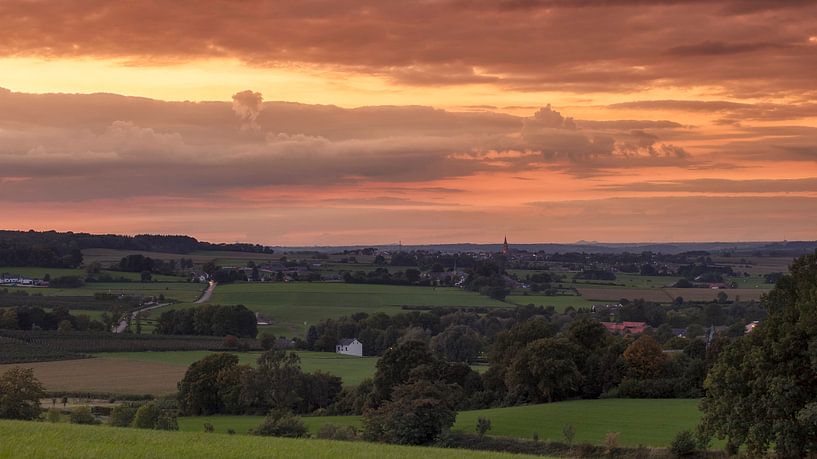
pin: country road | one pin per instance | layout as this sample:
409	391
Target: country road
123	324
205	297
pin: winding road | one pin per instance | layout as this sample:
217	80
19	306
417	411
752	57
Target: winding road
123	323
205	297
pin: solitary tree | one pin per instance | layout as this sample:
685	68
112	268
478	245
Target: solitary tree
417	414
199	389
20	394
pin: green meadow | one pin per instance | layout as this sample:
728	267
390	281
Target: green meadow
649	422
181	291
25	439
291	305
351	369
559	303
39	273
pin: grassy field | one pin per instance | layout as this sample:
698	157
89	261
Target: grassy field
608	294
39	273
351	369
21	439
181	291
638	421
118	376
666	295
708	294
224	258
158	372
243	424
560	303
289	305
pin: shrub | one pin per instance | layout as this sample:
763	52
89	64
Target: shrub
417	415
483	426
611	442
53	415
569	432
230	342
122	416
83	415
20	394
146	416
333	432
167	420
281	423
684	444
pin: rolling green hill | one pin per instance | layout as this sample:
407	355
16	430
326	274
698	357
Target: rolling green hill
21	439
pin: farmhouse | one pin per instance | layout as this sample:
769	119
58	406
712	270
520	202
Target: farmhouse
624	328
350	347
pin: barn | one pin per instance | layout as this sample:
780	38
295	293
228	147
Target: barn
350	347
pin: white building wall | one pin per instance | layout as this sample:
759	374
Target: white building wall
355	348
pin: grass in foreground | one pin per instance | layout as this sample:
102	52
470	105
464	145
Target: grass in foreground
648	422
21	439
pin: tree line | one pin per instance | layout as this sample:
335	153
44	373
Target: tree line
69	241
208	320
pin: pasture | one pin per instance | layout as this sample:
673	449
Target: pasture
104	375
352	370
24	439
225	258
157	373
649	422
295	305
667	295
559	303
181	291
39	273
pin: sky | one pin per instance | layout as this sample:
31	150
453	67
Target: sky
321	122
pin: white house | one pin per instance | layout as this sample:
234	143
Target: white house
350	347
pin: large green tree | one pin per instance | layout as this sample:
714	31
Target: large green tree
20	394
458	343
396	365
199	389
762	391
546	369
417	414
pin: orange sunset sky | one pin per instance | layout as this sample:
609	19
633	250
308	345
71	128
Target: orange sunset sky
326	122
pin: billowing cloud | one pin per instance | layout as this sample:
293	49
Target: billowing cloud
131	147
247	105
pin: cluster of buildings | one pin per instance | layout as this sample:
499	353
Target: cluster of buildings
12	280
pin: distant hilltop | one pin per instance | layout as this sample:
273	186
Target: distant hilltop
766	248
185	244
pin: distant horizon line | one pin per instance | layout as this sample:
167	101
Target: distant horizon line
426	244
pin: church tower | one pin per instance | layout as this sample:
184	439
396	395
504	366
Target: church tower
505	248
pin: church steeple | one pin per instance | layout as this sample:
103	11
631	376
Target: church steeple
505	248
